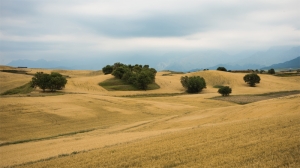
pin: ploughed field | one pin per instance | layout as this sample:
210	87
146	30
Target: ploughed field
87	126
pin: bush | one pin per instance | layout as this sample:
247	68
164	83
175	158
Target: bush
221	69
252	79
193	84
225	90
271	71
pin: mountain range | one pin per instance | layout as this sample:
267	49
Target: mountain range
292	64
176	61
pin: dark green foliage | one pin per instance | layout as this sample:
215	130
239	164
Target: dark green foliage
57	81
193	84
221	69
225	90
143	79
108	69
262	71
252	79
119	72
54	81
184	81
271	71
138	75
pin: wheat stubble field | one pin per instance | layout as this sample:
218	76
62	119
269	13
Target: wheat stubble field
87	126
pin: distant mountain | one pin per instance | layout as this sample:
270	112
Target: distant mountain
37	64
236	66
294	64
261	59
175	60
272	56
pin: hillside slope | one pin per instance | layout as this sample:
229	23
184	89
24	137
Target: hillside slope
88	126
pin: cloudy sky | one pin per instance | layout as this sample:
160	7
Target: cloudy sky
56	29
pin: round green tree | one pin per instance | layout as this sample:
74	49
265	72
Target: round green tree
252	79
225	90
193	84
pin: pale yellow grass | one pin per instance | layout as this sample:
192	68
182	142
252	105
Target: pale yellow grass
9	81
183	131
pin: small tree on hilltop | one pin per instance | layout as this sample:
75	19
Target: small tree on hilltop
225	90
221	69
193	84
252	79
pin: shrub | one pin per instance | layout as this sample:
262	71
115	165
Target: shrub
271	71
221	69
225	90
252	79
193	84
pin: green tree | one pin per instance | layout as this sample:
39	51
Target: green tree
57	81
252	79
108	69
119	72
221	69
271	71
143	80
225	90
54	81
41	80
193	84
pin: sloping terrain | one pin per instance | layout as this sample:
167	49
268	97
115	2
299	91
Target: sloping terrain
91	127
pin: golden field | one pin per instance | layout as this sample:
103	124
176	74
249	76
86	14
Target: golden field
87	126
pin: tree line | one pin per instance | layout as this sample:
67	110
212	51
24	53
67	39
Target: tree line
138	75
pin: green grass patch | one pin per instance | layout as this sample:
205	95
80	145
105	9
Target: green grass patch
218	86
171	73
24	89
115	84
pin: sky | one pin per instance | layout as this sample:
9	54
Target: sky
69	29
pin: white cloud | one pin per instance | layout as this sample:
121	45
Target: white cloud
134	25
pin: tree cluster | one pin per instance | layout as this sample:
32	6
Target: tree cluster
54	81
138	75
193	84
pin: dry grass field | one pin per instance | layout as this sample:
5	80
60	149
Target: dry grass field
87	126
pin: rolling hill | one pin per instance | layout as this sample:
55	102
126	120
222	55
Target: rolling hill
87	126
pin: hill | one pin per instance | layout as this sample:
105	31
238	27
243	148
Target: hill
294	64
87	126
